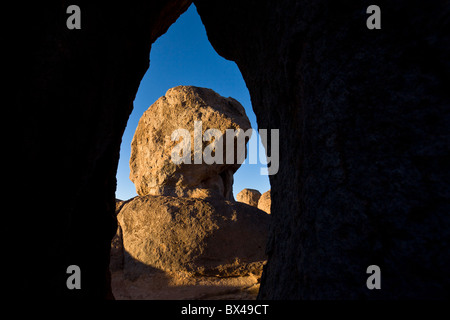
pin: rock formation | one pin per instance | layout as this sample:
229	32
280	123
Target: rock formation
74	91
249	196
203	237
183	222
265	202
152	169
187	248
364	128
364	140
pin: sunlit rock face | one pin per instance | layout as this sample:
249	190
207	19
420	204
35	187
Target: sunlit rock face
192	112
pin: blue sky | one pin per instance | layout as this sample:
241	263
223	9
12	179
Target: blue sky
184	56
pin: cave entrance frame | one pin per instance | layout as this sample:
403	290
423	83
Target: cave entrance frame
142	102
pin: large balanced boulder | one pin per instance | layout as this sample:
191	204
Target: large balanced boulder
210	237
249	196
152	168
185	220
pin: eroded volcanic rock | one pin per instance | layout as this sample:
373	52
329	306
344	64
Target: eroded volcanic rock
265	202
249	196
212	237
152	169
185	219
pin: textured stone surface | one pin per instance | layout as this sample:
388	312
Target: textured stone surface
73	91
151	167
249	196
265	202
159	285
364	137
204	237
364	140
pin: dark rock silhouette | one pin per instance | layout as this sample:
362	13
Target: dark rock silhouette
364	123
364	138
73	91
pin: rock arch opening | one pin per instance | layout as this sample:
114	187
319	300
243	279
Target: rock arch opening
364	131
182	58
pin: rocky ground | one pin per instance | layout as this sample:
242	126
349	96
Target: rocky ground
161	285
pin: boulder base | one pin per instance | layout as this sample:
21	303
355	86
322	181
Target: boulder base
210	237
